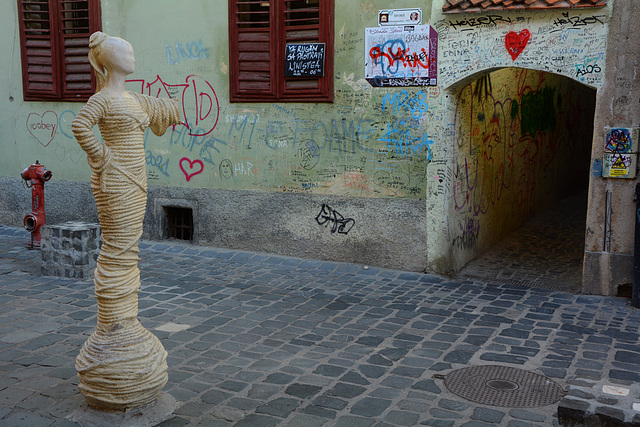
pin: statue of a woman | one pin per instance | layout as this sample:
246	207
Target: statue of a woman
122	365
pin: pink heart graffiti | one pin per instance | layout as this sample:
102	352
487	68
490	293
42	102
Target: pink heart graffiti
192	172
43	127
515	43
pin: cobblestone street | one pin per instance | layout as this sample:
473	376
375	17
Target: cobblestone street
545	252
261	340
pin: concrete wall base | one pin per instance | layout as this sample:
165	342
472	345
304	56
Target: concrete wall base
604	272
383	232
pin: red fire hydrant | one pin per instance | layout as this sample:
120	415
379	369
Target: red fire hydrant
35	177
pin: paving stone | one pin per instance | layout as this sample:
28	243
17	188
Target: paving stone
488	415
330	402
402	418
215	397
304	420
280	407
279	378
526	415
329	370
345	390
496	357
353	421
319	412
458	356
370	407
258	420
438	423
452	405
302	391
441	413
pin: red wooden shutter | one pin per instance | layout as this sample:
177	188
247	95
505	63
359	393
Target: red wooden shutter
75	28
252	49
54	36
40	74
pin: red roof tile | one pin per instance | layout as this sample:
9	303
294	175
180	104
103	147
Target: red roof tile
459	6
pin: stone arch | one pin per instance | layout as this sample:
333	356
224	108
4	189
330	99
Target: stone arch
479	181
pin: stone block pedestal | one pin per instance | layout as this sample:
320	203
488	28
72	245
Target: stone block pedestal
70	249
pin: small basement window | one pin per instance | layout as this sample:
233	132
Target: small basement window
179	223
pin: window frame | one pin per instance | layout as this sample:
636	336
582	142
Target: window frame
44	80
280	89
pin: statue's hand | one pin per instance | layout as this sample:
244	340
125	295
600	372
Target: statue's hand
98	163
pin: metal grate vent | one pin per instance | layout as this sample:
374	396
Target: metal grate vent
512	282
179	223
503	386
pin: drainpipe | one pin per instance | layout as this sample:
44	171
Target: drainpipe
635	291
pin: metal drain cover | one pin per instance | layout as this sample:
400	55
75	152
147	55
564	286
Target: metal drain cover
503	386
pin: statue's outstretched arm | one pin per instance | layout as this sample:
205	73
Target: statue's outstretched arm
162	112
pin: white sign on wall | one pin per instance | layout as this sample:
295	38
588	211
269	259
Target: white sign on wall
395	17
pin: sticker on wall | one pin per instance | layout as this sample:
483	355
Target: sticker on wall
393	17
401	56
620	152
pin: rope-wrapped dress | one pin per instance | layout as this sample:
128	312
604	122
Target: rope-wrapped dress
121	364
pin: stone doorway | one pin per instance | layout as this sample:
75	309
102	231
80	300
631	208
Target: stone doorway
523	159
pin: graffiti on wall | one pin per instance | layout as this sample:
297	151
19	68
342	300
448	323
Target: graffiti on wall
43	126
520	142
200	105
329	217
401	56
190	51
568	43
516	42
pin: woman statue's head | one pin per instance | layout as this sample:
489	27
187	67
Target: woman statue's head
109	55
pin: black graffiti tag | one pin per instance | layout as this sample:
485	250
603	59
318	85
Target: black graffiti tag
338	222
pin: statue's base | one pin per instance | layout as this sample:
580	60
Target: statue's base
143	416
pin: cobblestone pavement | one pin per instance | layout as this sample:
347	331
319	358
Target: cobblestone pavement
261	340
546	251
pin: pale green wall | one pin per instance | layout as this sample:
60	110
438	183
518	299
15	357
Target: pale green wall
253	146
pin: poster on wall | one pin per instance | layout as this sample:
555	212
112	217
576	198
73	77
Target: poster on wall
620	152
401	56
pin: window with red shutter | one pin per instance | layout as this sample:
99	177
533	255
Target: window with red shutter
258	34
54	36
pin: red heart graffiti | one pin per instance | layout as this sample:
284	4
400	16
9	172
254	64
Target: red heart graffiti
191	169
515	43
43	127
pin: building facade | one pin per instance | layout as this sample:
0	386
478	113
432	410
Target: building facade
401	134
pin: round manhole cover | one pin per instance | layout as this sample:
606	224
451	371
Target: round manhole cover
503	386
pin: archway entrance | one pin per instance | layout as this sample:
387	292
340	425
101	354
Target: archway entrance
522	162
